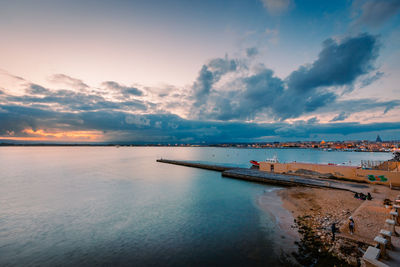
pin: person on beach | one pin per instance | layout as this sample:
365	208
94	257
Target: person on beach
351	225
369	197
334	229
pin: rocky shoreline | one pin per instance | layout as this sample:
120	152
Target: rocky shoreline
316	247
306	220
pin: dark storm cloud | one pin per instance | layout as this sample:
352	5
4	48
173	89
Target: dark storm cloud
125	90
376	12
259	91
305	90
17	118
165	126
65	79
210	74
292	105
221	66
338	64
121	126
202	86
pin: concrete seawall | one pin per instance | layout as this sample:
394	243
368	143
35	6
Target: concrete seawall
211	167
272	178
351	173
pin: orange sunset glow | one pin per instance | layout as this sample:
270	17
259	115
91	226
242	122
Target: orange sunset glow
65	136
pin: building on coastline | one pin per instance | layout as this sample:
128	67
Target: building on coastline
376	172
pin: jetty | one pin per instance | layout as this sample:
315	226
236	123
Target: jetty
211	167
255	175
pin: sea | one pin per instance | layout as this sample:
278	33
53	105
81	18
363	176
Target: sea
109	206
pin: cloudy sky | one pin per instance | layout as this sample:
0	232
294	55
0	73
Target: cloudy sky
199	71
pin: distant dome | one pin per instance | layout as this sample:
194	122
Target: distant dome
322	142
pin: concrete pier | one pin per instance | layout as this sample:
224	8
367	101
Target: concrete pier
211	167
272	178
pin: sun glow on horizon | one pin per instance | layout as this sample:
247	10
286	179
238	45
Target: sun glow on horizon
56	135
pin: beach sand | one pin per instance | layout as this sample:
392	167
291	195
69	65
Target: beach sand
319	208
333	204
286	234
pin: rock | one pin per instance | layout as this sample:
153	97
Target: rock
352	261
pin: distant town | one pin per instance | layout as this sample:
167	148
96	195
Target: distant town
353	145
357	145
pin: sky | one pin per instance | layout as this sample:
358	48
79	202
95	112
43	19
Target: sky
199	71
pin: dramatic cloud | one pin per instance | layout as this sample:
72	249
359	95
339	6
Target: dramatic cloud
121	126
222	105
202	86
209	75
305	90
258	92
337	64
117	125
375	12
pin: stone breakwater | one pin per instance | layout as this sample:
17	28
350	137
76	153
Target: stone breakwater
270	177
212	167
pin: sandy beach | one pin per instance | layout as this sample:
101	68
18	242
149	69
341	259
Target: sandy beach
315	209
271	203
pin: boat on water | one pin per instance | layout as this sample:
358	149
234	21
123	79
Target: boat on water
273	160
255	163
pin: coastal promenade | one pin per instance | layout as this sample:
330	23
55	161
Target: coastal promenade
273	178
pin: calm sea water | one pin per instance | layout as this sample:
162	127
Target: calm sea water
69	206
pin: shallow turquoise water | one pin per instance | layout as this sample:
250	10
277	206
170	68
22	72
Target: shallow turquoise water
69	206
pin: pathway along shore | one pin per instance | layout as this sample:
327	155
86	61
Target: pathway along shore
272	178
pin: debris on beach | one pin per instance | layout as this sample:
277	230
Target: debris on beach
316	247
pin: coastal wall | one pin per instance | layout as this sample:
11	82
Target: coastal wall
344	172
390	166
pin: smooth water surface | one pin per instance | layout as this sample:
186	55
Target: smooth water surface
69	206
